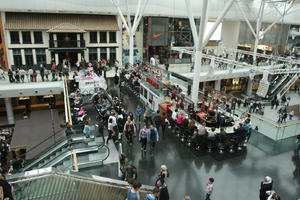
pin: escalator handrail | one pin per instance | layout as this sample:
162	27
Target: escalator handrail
67	154
48	172
76	165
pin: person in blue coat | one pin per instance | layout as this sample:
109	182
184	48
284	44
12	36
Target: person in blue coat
152	137
138	113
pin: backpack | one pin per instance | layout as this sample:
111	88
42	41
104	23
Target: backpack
152	135
157	120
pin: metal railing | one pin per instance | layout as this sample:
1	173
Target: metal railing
66	43
54	184
67	102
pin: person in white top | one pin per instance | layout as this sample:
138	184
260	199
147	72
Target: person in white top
22	73
152	61
2	74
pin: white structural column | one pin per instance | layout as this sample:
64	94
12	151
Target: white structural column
48	56
98	54
34	56
56	59
131	29
218	21
120	41
200	42
9	111
23	56
198	47
218	85
78	40
249	87
258	26
11	56
55	40
79	56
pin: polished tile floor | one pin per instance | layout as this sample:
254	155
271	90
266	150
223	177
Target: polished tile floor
237	176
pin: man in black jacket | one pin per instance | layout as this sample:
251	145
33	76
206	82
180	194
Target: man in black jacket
164	193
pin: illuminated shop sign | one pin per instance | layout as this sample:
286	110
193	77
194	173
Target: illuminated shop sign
152	82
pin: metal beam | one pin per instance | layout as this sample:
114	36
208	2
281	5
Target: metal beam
139	17
245	18
192	21
218	21
198	55
258	26
278	20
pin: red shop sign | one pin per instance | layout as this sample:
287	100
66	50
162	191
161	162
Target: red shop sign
151	82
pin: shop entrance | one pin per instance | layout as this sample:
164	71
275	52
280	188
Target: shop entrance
71	57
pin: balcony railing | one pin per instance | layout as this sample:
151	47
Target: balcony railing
66	43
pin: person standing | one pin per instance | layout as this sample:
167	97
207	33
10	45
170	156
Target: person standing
152	137
116	81
42	72
17	75
138	113
46	71
34	76
22	74
209	188
27	76
143	138
31	74
69	133
53	72
86	129
10	76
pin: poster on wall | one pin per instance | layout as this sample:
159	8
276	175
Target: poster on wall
158	31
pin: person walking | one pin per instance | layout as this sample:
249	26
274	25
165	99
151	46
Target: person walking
265	185
129	130
138	112
111	131
157	120
143	138
42	72
163	189
132	193
152	137
164	122
154	196
209	188
148	113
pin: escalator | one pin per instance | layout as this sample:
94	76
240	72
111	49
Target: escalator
50	183
88	153
281	84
